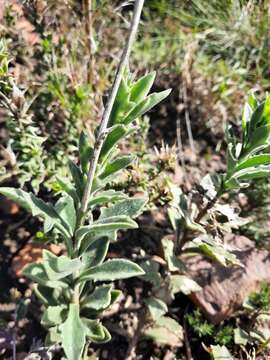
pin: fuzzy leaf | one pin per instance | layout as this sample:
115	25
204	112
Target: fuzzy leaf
146	105
182	283
263	159
104	225
116	165
85	152
66	210
96	331
112	270
37	273
220	353
108	196
142	87
156	307
99	299
58	267
166	331
95	253
54	315
130	207
48	296
68	189
73	333
174	264
77	177
116	133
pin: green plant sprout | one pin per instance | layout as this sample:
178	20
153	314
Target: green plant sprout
196	231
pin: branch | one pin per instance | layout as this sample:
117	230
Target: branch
108	108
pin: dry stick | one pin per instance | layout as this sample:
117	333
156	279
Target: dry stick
108	108
187	118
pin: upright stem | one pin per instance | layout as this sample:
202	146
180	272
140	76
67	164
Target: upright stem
108	108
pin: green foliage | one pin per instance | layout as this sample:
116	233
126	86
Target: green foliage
261	300
200	326
69	285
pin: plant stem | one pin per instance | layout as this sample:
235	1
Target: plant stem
108	108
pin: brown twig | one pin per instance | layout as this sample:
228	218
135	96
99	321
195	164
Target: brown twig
131	351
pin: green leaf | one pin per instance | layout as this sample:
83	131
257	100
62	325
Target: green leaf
145	105
166	331
263	159
115	166
108	196
207	246
96	332
182	283
121	104
66	210
77	177
54	315
85	152
112	270
142	87
174	264
37	273
116	133
152	275
73	333
95	253
68	189
48	296
220	353
105	225
58	267
259	140
100	299
252	173
156	307
30	202
131	207
53	336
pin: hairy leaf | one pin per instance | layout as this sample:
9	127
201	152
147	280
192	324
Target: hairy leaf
112	270
99	299
73	333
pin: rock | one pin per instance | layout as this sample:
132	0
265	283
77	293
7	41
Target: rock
225	289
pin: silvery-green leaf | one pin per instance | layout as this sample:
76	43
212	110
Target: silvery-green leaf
145	105
152	275
166	331
37	273
68	189
115	166
156	307
95	253
66	210
141	88
54	315
58	267
99	299
107	196
182	283
73	333
111	270
116	133
131	207
106	225
174	264
85	152
77	177
220	353
48	296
